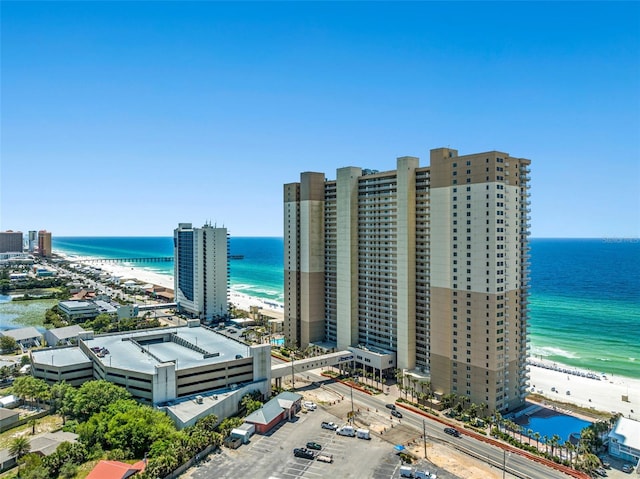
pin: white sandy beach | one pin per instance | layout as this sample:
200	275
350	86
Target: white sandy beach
603	394
240	300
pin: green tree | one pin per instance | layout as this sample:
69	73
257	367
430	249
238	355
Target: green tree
68	471
8	344
62	399
18	448
250	404
32	468
94	396
30	388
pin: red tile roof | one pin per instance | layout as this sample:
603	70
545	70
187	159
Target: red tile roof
115	470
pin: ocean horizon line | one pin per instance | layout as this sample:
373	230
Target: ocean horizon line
572	238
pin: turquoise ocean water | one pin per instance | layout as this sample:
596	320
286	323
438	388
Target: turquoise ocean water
585	294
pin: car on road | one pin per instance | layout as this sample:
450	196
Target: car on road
311	406
314	445
627	468
303	452
396	413
329	425
451	431
390	406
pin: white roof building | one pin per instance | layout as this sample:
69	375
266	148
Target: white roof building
624	440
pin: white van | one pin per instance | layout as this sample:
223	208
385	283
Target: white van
363	434
346	431
406	471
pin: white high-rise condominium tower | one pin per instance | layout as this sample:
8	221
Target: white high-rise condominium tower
201	271
418	269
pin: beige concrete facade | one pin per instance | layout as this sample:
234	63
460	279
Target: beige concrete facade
430	264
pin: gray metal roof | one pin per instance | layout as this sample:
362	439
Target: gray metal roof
22	333
71	305
265	414
5	413
66	332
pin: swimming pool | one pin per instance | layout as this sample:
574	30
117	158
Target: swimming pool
559	424
277	341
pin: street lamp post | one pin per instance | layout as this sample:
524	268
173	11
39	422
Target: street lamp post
504	462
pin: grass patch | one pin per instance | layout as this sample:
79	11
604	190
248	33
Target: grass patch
45	424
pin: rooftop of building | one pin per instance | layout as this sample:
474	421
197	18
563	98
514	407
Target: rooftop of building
22	333
627	432
67	331
76	304
144	350
60	357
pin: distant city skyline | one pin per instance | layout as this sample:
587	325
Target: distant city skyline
125	118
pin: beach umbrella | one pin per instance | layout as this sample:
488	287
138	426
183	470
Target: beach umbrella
399	447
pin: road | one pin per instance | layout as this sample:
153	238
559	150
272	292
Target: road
516	465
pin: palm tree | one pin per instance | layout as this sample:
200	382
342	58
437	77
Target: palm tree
18	448
555	439
498	419
545	438
32	423
537	436
568	445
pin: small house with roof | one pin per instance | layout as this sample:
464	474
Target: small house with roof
624	440
8	418
115	470
284	406
62	336
25	337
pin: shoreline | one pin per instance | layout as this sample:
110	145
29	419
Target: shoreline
239	300
599	392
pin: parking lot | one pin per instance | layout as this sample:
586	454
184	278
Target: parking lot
271	456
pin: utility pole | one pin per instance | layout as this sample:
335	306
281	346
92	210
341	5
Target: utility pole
293	374
351	390
504	462
424	437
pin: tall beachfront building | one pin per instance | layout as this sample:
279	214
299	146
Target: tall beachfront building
33	241
419	269
201	271
11	241
44	243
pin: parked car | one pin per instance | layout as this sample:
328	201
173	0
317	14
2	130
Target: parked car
390	406
311	406
303	452
627	468
329	425
396	413
314	445
451	431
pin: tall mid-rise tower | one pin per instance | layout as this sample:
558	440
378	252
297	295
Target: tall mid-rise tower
44	243
33	241
201	271
11	241
427	266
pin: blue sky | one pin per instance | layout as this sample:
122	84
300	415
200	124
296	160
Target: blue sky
126	118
